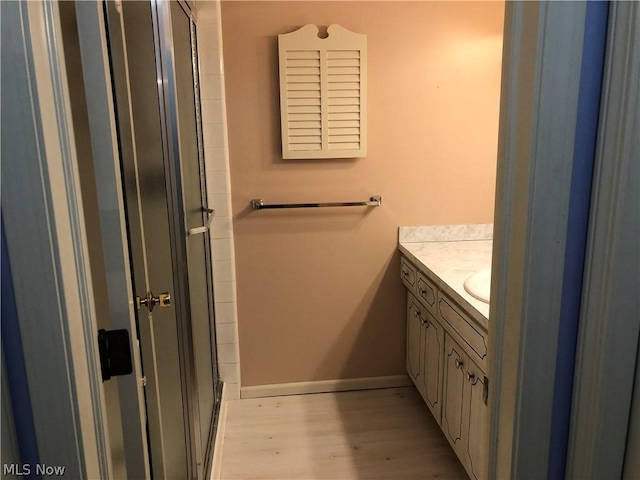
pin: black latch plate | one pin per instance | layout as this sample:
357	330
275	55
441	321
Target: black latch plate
115	353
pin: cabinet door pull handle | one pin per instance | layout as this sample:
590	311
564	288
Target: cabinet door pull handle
485	390
470	377
458	363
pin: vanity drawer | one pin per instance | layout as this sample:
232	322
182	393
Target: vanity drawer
408	274
427	293
466	330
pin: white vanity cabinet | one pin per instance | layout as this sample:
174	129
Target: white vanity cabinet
446	360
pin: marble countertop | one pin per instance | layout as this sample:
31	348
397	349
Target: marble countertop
450	259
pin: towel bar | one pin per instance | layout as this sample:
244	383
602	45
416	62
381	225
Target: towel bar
258	204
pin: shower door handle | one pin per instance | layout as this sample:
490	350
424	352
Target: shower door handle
197	230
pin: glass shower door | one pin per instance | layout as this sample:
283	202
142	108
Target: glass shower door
154	68
197	217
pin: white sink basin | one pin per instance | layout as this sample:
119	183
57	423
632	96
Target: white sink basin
479	285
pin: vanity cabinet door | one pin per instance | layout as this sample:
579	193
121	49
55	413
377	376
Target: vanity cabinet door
464	410
452	413
476	391
432	363
414	326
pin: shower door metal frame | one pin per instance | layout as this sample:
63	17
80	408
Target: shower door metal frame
217	384
198	461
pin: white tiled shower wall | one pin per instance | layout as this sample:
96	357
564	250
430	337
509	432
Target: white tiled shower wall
216	153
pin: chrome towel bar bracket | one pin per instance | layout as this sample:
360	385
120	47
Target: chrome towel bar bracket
258	204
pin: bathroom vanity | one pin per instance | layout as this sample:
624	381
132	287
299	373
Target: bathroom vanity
447	332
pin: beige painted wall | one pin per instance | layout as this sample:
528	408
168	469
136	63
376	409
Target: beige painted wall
319	295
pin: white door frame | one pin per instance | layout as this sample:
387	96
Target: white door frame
610	311
542	61
541	80
47	246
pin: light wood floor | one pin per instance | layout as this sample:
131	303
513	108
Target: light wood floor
383	434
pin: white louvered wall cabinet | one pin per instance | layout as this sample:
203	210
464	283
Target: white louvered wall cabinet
323	92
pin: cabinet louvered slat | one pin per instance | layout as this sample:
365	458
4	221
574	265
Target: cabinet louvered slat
344	101
303	101
305	109
343	78
305	132
294	147
293	63
344	53
303	86
295	78
323	93
302	124
338	63
345	138
345	124
344	116
303	117
345	94
304	94
344	146
344	131
302	54
344	108
305	140
344	86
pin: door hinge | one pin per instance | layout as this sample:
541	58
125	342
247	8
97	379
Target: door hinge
143	381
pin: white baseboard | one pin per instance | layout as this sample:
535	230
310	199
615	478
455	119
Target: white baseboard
216	468
323	386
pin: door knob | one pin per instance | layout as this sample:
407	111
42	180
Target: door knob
163	300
